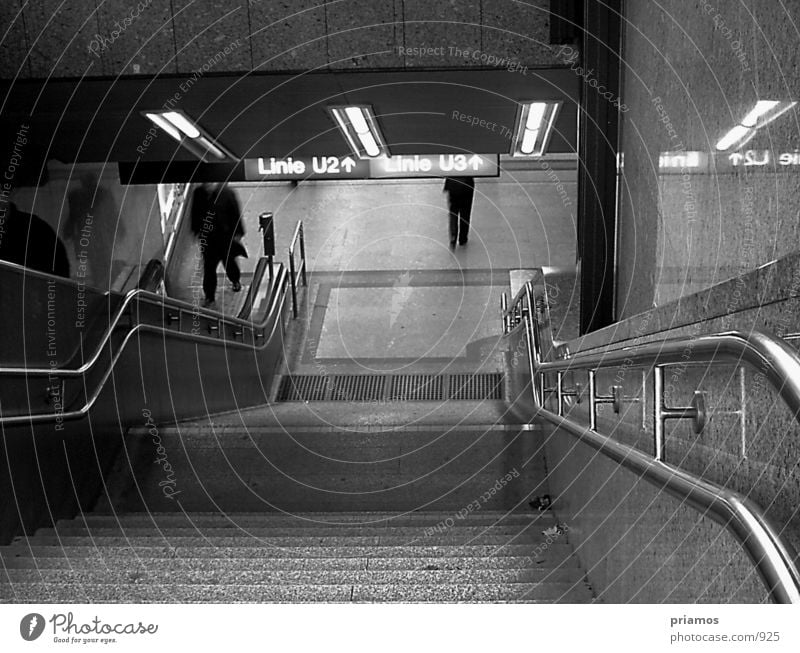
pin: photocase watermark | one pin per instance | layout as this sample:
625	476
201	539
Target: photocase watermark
7	182
184	87
84	240
101	42
472	506
477	121
637	340
169	484
468	54
55	387
199	271
559	186
552	535
719	24
747	254
690	202
570	56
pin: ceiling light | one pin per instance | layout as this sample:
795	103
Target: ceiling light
167	126
360	129
534	126
182	123
190	135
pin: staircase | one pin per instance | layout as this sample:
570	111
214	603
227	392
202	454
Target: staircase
257	512
247	557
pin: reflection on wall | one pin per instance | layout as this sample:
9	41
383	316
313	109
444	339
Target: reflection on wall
110	231
711	146
722	214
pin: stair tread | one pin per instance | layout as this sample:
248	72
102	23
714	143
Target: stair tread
31	565
426	574
284	531
474	592
111	552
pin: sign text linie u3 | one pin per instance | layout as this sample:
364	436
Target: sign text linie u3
394	167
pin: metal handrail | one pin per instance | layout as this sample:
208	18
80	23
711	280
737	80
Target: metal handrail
273	310
772	557
138	295
297	238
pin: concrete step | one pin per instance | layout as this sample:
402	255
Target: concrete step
306	520
164	565
352	530
138	576
70	593
434	469
108	554
417	538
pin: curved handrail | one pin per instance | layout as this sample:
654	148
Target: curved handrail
776	360
139	295
274	310
300	274
771	556
152	275
252	291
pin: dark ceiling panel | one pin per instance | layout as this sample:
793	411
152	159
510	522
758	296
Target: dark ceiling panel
278	115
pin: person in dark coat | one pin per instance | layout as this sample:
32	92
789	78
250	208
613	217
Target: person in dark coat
28	240
459	200
217	222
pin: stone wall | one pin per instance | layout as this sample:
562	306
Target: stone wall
77	38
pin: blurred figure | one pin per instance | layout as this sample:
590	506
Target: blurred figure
459	201
90	226
217	222
28	240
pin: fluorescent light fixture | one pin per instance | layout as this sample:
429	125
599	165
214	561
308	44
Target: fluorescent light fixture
535	122
167	126
190	135
182	123
360	129
763	113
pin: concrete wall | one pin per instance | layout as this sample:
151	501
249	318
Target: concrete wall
751	442
115	37
693	70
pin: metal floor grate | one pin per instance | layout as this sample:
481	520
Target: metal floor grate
391	387
303	388
476	386
416	387
365	387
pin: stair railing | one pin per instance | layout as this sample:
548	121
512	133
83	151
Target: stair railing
246	334
772	557
297	273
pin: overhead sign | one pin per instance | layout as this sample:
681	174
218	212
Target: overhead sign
435	165
394	167
315	167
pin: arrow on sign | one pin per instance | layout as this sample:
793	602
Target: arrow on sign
475	162
348	163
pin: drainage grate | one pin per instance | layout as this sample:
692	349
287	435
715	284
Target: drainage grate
416	387
303	388
365	387
388	387
476	386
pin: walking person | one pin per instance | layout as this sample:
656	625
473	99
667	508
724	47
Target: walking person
459	201
217	221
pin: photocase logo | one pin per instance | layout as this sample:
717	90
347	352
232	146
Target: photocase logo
31	626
